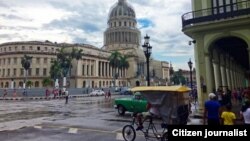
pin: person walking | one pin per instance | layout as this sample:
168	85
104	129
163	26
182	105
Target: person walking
66	96
228	116
212	111
109	95
14	93
5	93
245	113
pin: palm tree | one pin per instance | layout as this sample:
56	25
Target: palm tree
124	64
76	54
46	82
29	83
114	61
26	61
65	60
55	71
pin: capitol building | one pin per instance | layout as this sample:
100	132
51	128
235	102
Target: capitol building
93	70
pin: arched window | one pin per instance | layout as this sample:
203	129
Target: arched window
7	85
20	84
103	83
37	84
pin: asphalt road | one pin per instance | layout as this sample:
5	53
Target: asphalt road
82	119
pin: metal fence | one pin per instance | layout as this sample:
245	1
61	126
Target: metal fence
33	92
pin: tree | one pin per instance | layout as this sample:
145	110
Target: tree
114	61
124	64
29	83
26	61
55	71
65	60
178	78
46	82
76	54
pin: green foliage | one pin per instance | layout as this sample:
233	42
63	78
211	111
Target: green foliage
29	83
124	62
46	82
26	61
178	78
65	59
114	59
55	70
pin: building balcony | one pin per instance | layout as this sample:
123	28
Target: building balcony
224	12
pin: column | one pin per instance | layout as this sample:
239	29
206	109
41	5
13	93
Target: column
101	69
209	74
216	66
227	64
108	69
223	70
231	73
104	69
96	67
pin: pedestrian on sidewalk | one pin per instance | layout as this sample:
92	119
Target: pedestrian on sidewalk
109	94
66	96
5	93
245	113
47	92
14	93
212	111
228	116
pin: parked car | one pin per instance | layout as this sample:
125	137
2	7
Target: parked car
97	93
135	103
126	92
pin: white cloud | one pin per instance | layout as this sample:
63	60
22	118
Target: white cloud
85	21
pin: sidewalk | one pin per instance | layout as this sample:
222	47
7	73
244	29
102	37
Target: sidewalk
196	118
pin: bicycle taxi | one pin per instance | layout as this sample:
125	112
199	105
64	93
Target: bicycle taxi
172	102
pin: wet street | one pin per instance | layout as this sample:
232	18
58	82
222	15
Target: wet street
82	119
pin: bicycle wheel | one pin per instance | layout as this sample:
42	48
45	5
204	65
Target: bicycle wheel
164	137
128	133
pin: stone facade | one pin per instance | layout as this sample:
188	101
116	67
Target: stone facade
220	31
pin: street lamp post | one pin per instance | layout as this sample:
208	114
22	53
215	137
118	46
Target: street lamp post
190	64
147	51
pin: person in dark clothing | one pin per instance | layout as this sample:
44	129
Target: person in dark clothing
66	96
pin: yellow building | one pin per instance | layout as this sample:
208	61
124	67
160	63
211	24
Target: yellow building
220	30
93	70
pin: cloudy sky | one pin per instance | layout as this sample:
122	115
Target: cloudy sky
84	21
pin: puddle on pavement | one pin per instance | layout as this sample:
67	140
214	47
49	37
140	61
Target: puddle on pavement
106	103
24	115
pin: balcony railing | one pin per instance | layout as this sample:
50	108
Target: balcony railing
216	13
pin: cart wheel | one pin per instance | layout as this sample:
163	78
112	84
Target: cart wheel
128	133
121	110
165	137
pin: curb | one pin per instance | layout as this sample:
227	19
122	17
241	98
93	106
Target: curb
38	98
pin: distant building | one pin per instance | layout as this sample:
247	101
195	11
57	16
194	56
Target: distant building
93	70
186	74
